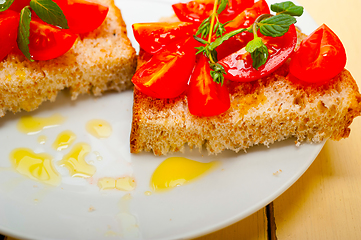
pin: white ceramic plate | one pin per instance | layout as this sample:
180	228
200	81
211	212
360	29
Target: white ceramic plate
77	209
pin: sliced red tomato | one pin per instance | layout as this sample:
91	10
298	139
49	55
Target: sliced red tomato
235	7
153	37
239	67
167	73
48	42
206	97
17	5
248	16
320	57
83	16
9	23
243	20
197	11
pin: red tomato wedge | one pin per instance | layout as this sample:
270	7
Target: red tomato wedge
243	20
206	97
17	5
197	11
234	8
248	16
9	22
320	57
83	16
153	37
48	42
239	67
167	73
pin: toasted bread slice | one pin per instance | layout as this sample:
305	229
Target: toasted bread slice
262	112
101	60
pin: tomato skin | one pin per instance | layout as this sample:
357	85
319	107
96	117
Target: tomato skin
9	23
18	5
205	97
192	11
83	16
167	73
238	65
48	42
197	11
248	16
235	7
243	20
320	57
152	37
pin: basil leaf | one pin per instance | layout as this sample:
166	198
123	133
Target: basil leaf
49	12
225	37
254	44
258	51
5	4
276	26
287	8
222	5
24	32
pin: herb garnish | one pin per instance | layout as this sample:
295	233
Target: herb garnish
268	25
47	10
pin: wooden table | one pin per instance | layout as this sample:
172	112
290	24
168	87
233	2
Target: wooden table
325	203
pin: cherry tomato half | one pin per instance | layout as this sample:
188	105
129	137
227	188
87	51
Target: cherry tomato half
83	16
239	67
320	57
243	20
197	11
9	22
48	42
153	37
248	16
234	8
167	73
206	97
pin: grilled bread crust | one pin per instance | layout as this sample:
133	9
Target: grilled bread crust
101	60
264	111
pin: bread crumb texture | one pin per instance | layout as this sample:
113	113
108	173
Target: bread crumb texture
262	112
100	60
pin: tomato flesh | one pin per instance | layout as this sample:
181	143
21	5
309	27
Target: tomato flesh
248	16
83	16
48	42
18	5
152	37
320	57
167	73
196	11
239	67
9	22
206	97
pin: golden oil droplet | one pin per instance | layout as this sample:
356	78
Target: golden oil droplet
32	125
106	183
97	154
42	139
148	193
64	140
176	171
99	128
125	184
75	161
35	166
